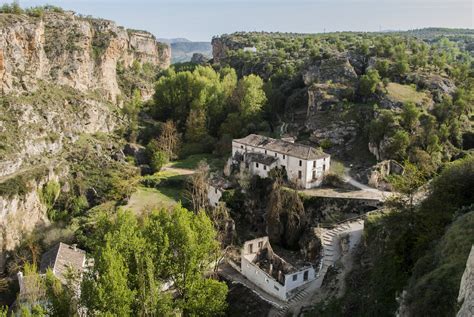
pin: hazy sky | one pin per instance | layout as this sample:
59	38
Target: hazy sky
200	20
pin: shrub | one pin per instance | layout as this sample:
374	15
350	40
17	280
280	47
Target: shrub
151	181
157	160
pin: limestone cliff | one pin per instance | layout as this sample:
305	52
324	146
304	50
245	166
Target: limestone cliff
61	76
466	289
65	49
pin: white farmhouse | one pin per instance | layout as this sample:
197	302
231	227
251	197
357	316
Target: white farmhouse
270	272
304	164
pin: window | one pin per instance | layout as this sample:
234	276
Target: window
324	167
305	276
300	175
295	277
284	156
241	146
301	163
314	174
250	248
314	163
265	151
215	190
246	165
276	154
256	165
260	244
264	167
276	288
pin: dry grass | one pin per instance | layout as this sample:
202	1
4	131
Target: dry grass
405	93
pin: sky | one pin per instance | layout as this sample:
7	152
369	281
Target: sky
201	20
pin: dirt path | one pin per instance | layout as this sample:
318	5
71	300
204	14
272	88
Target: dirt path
363	192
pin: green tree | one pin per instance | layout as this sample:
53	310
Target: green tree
62	298
408	183
369	82
249	96
157	160
186	245
410	115
130	111
105	288
196	129
398	145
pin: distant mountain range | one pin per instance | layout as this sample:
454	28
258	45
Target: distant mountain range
183	49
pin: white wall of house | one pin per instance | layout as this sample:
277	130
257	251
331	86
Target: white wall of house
297	169
214	194
262	279
297	279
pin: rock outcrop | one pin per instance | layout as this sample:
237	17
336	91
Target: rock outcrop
466	289
336	69
65	49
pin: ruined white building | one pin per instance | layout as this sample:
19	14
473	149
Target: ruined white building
304	164
270	272
217	187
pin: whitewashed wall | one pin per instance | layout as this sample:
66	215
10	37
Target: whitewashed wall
214	194
291	164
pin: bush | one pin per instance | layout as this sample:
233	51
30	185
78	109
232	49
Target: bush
151	181
157	160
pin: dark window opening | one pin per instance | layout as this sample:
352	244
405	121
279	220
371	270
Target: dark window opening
264	167
301	163
300	175
256	165
250	248
305	276
295	277
314	163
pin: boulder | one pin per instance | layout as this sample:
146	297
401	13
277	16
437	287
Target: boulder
436	84
338	133
335	69
325	96
199	58
377	174
137	151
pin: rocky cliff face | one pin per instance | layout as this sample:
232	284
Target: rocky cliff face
61	76
65	49
466	289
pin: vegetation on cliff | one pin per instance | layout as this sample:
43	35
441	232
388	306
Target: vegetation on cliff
414	255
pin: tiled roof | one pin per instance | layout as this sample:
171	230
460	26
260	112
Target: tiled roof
61	258
284	147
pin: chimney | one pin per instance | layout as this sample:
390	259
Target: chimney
270	270
279	275
74	247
